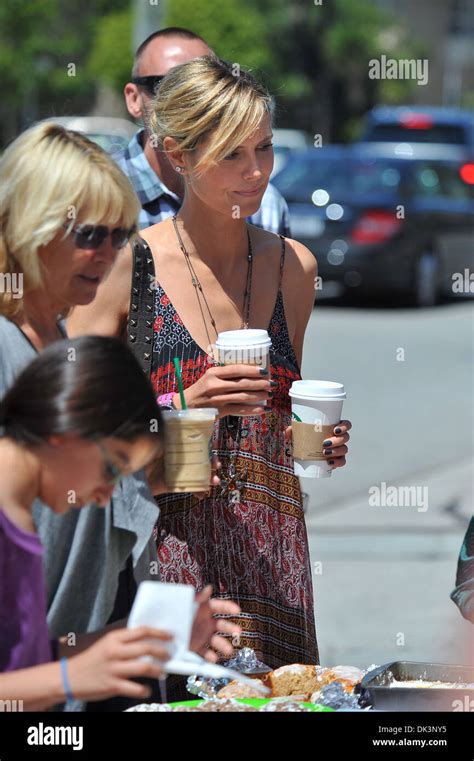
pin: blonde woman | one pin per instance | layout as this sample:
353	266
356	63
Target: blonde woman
66	211
215	272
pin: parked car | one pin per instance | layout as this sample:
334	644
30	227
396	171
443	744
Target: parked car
426	124
385	220
111	133
285	141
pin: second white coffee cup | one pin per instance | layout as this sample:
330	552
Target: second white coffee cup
318	404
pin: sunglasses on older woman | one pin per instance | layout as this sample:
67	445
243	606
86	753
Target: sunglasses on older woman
92	236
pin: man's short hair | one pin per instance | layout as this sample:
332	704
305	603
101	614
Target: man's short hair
170	31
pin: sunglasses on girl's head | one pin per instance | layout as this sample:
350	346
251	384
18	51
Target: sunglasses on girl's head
150	84
92	236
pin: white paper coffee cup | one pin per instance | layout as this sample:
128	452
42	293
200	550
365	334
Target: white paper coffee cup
317	403
250	346
244	347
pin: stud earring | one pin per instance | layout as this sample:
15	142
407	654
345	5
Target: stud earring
179	168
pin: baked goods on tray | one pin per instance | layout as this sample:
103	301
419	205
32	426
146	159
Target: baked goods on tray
219	705
348	676
296	679
237	689
290	686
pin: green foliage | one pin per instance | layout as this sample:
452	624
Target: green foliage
235	29
353	35
112	56
39	39
314	58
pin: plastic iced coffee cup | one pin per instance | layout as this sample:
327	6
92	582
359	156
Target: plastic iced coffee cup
188	449
316	407
249	346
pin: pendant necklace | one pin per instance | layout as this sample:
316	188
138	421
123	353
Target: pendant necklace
231	481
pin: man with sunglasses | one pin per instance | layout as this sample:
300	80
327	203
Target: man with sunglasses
159	187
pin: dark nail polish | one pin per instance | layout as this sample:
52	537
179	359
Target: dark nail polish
263	371
273	383
327	443
270	394
338	430
267	408
331	462
327	451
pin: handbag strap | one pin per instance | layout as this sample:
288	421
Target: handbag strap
140	319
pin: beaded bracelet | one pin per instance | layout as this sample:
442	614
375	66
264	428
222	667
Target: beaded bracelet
166	400
66	682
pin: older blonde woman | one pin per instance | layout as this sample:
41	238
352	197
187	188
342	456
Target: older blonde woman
215	272
66	210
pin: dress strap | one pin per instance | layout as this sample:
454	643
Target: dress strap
282	260
140	324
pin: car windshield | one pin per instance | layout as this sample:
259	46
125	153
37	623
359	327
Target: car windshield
110	143
449	134
341	177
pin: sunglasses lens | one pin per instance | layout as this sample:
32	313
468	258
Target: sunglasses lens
91	236
153	84
120	237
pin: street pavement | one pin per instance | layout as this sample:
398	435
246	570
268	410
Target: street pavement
383	574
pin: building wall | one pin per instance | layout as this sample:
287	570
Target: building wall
445	28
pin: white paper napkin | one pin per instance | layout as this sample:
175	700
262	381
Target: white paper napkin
172	607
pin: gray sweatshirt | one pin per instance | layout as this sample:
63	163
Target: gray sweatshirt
86	549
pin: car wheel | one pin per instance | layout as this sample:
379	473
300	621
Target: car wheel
425	290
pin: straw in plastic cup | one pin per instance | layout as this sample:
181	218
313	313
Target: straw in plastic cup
188	449
249	346
316	407
179	377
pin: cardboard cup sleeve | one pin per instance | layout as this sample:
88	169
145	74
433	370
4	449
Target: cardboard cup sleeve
308	440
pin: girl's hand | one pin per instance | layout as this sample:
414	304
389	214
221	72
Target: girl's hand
108	667
216	465
233	389
335	447
204	638
156	477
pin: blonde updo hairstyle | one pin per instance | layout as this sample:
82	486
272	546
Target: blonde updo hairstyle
50	177
208	96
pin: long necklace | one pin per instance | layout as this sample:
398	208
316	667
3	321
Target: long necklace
231	484
200	292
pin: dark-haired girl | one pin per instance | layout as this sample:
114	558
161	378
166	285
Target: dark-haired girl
69	434
67	439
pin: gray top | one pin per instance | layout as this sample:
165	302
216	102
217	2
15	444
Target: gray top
86	549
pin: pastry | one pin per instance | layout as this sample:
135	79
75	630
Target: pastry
236	689
295	679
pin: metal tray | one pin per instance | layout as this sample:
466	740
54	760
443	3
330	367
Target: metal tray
374	689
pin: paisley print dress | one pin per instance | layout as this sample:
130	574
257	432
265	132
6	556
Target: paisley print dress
250	543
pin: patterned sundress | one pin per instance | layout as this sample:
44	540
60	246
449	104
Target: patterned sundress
253	549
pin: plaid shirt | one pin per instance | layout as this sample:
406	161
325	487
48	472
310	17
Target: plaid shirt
158	202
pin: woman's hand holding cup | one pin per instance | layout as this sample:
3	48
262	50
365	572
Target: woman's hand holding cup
335	447
233	389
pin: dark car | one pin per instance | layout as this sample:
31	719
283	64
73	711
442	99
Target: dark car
384	220
425	124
